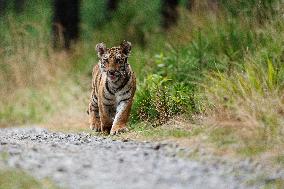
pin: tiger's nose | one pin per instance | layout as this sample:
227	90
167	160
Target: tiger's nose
111	72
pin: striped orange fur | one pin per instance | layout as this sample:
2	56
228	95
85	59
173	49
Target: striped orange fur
113	88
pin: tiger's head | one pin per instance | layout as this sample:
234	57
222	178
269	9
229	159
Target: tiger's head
113	61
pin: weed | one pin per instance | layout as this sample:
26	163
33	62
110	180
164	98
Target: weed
280	159
222	136
274	184
19	179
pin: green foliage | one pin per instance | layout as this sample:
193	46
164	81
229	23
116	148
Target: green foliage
93	14
256	79
222	136
134	20
274	184
253	95
16	25
149	131
159	98
280	159
253	149
255	9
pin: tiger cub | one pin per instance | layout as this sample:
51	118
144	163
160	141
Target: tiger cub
113	88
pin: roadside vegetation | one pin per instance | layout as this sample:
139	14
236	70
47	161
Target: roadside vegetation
218	75
18	179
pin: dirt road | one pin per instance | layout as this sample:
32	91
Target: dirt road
84	161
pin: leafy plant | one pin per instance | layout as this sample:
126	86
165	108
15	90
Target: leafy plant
159	98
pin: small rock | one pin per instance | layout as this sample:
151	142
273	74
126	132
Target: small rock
61	169
125	140
3	143
157	147
121	160
87	165
53	145
14	152
34	149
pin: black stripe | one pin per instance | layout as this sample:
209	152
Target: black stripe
126	91
106	97
94	102
94	99
94	107
108	104
103	64
123	100
122	67
116	81
124	83
107	88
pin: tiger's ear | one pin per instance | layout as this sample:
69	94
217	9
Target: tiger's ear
101	49
126	47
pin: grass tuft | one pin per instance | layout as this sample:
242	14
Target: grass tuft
10	179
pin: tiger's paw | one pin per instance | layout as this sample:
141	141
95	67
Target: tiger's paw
115	131
95	127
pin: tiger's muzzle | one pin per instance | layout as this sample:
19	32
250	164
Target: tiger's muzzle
113	75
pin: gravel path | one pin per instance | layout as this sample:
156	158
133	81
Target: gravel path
84	161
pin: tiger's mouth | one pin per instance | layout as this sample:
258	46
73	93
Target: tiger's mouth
113	76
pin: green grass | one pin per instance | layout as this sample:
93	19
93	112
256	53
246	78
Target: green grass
274	184
16	179
254	97
252	151
280	159
157	132
222	137
267	183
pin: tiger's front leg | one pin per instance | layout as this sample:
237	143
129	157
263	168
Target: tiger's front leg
105	118
121	117
93	111
106	104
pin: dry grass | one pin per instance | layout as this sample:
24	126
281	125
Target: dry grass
72	114
33	85
247	109
34	79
